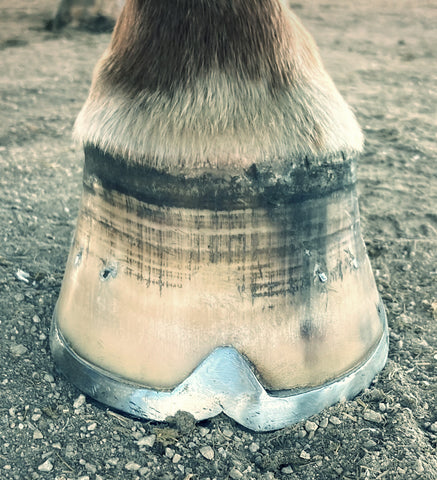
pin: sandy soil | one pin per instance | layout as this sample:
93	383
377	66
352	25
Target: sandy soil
382	56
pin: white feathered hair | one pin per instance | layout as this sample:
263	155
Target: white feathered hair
280	106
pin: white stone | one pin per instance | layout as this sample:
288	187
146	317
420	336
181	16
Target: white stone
18	350
310	426
47	466
147	441
370	443
323	423
176	458
207	452
334	420
143	471
132	466
372	416
80	400
49	378
419	466
169	453
253	447
235	474
305	455
90	468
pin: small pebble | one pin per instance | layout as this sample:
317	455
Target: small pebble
169	453
90	468
269	476
132	466
369	444
287	470
305	455
310	426
207	452
372	416
176	458
433	427
70	451
148	441
47	466
235	474
80	400
419	467
37	435
92	427
253	447
18	350
334	420
323	422
222	452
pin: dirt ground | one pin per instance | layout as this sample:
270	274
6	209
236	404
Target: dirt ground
383	57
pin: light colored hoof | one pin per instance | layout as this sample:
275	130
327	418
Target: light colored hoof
218	254
166	306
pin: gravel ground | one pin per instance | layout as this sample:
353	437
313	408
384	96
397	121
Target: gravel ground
382	57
